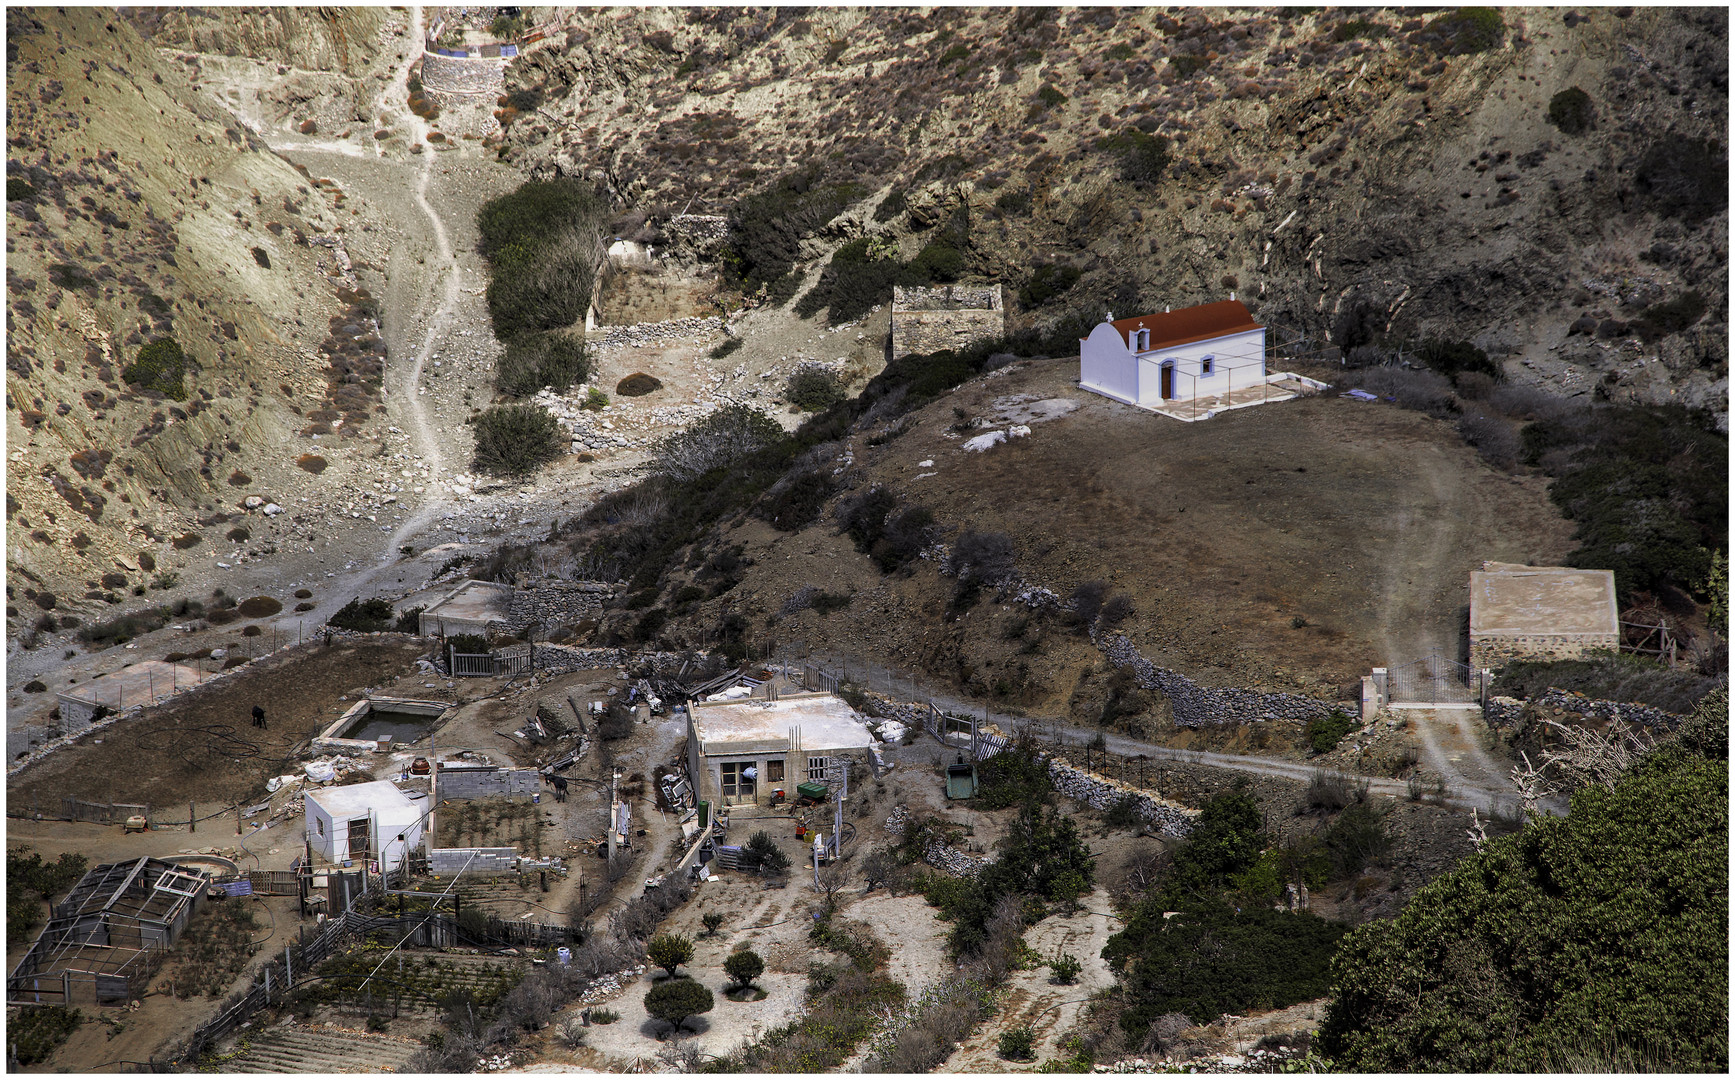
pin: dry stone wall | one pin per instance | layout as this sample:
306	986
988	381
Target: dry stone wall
558	603
1506	711
487	783
463	74
1101	792
938	853
928	320
1196	706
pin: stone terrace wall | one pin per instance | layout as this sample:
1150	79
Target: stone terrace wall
942	855
1196	706
463	74
1101	793
557	603
1505	711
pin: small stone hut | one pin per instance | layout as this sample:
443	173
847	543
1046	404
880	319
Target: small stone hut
1540	613
926	320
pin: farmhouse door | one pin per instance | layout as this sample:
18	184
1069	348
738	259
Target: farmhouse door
1168	384
358	838
738	787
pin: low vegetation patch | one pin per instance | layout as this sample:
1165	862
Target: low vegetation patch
259	607
515	440
160	368
1609	677
365	616
34	1034
540	241
554	359
638	384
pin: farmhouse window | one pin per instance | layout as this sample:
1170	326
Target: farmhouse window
1205	364
321	823
774	771
817	767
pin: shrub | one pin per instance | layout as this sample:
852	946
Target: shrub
1685	177
1608	677
1671	316
1571	111
160	367
669	951
34	1034
675	1000
1463	31
1143	156
1625	893
766	855
1015	776
1047	282
1325	732
1356	837
516	439
1423	391
725	348
1065	968
532	361
1048	96
813	389
1187	65
1451	358
720	439
766	229
743	967
1017	1044
410	620
594	400
796	501
1494	438
364	616
713	920
18	188
604	1016
259	607
536	210
638	384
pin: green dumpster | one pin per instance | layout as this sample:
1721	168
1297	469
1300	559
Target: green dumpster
813	790
960	781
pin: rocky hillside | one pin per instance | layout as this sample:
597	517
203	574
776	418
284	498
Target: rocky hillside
1363	177
176	311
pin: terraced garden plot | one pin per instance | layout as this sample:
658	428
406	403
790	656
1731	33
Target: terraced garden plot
323	1048
410	982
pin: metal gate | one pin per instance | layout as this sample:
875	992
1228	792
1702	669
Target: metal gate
1433	680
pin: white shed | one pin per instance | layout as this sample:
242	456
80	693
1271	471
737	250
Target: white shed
1210	350
364	821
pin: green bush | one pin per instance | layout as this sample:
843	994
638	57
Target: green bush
765	853
31	883
1259	959
1454	358
1016	776
365	616
1670	317
18	188
35	1033
1017	1044
891	206
535	211
669	951
1047	282
1143	156
675	1000
743	967
1571	111
960	51
1065	968
1225	840
604	1016
813	389
797	500
160	367
1187	65
516	439
1049	97
532	361
1602	934
1462	31
1356	838
767	227
470	644
1325	732
1042	858
541	244
1685	177
410	620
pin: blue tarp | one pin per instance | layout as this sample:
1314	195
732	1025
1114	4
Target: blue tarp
238	888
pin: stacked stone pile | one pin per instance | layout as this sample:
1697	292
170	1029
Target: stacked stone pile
1196	706
1101	792
940	854
697	330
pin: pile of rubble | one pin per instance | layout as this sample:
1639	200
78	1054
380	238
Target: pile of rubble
661	334
940	854
1254	1061
609	985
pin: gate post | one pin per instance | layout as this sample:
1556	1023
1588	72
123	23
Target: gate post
1382	683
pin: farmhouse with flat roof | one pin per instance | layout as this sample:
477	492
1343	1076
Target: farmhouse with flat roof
740	751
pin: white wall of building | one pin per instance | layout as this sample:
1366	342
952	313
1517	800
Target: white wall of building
1200	368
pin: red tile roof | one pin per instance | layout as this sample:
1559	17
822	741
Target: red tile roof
1190	324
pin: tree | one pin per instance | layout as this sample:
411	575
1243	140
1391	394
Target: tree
712	920
670	951
743	967
673	1001
719	440
1581	940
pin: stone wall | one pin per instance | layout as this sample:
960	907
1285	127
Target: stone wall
463	74
939	854
1196	706
697	232
1101	792
1505	711
953	317
488	783
1495	651
450	862
558	603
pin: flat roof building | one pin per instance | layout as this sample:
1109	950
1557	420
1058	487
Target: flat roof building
374	821
1540	613
473	607
739	752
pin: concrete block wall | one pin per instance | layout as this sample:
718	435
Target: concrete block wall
488	783
1196	706
1101	792
1495	651
449	862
